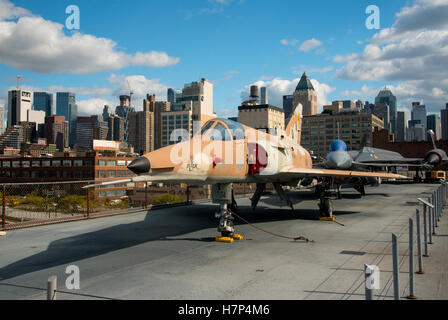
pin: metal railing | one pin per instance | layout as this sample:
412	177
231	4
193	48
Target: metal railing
32	204
432	213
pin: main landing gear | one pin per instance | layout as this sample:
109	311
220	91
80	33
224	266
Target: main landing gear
222	194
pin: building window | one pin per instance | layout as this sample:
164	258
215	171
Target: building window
77	163
101	163
101	174
6	164
46	163
16	164
36	164
111	174
111	163
67	163
102	194
56	163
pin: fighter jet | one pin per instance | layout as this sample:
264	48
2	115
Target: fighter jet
226	152
340	159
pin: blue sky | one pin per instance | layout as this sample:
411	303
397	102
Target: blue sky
232	43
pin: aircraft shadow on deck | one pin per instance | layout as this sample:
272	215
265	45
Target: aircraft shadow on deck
157	225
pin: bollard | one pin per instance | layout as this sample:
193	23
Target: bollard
4	208
419	244
425	229
368	273
396	267
433	216
411	261
430	222
52	285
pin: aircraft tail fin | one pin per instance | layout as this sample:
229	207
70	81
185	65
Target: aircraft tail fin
294	124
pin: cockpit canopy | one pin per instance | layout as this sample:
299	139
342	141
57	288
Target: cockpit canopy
223	130
338	145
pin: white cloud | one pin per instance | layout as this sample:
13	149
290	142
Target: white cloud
140	86
41	46
286	42
413	53
278	87
93	106
9	11
310	44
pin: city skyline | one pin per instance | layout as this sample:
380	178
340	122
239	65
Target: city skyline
333	55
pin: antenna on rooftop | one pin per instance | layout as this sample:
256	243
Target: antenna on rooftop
19	77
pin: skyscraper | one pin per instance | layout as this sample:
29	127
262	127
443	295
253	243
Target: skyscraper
2	119
444	122
66	106
19	102
386	96
141	131
198	97
43	101
433	123
419	117
171	96
306	95
287	105
57	132
401	134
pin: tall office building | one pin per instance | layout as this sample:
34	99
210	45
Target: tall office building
401	134
89	129
57	132
287	105
444	122
386	96
419	117
19	102
43	101
306	95
264	98
433	123
2	119
123	111
66	106
159	108
141	131
381	110
198	97
171	96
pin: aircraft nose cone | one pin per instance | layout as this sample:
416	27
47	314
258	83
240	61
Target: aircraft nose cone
337	160
433	159
140	165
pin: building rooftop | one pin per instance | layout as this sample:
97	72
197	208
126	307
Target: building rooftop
304	83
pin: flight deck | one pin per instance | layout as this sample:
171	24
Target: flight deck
172	254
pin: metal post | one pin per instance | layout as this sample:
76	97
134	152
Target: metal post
369	291
4	208
419	245
411	260
146	195
88	203
433	216
425	228
51	288
396	267
430	210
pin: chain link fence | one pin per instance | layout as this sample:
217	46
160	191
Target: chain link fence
25	205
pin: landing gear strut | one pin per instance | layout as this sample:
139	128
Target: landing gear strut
226	225
222	194
325	206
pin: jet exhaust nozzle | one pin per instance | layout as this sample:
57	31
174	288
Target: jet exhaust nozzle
140	165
